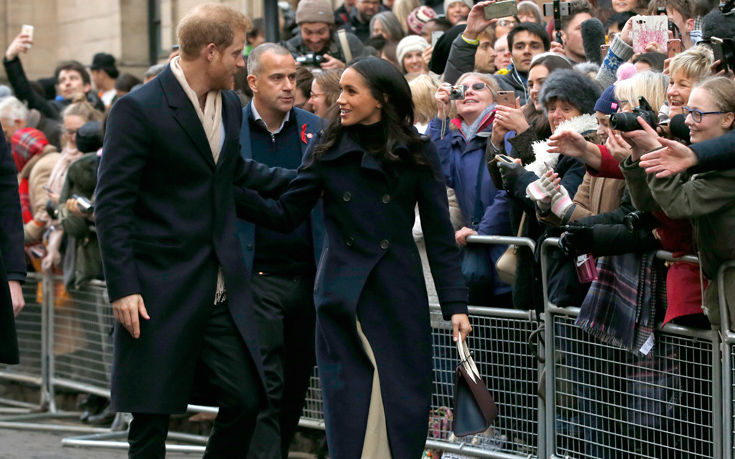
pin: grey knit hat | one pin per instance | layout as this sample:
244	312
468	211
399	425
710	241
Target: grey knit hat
573	87
314	11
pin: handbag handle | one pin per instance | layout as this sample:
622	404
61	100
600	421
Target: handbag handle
467	361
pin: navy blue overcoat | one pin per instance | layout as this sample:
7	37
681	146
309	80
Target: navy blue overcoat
165	217
371	270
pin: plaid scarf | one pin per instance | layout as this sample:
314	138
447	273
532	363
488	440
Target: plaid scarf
620	307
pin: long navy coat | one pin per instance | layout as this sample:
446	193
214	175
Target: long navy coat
12	258
166	220
371	270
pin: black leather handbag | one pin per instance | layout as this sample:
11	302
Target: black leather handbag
474	407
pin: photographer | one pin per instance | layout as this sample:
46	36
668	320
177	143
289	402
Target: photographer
704	198
317	44
461	150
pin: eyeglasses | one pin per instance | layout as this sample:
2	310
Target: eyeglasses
698	114
475	86
506	23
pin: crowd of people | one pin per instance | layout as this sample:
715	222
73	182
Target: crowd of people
532	130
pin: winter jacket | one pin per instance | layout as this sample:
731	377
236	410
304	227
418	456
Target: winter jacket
38	174
461	159
462	60
683	292
334	48
23	91
708	199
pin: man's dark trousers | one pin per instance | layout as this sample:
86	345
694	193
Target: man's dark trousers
234	376
284	307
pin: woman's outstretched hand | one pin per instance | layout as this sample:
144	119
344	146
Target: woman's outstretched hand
460	326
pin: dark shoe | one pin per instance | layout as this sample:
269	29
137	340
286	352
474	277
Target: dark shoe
104	418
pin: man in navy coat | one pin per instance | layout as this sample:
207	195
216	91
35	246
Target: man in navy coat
166	223
12	258
283	265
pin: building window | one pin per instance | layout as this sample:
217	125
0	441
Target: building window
155	51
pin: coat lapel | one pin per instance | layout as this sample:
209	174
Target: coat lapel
185	114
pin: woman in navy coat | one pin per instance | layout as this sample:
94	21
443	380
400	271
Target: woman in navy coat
373	331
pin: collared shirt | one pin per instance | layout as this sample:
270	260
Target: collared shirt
259	119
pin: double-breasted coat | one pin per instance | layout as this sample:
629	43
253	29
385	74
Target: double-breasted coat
165	216
12	257
371	271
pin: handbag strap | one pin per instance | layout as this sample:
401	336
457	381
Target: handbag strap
520	226
466	360
479	209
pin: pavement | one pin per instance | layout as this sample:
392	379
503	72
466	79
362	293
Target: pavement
26	444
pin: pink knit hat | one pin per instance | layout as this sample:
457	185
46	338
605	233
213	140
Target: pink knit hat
418	18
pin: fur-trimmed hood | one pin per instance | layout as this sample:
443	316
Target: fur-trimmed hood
583	124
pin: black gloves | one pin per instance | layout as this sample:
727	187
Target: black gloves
510	173
577	239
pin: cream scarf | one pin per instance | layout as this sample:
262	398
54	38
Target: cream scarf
211	119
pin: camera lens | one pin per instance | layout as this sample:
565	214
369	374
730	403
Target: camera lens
624	122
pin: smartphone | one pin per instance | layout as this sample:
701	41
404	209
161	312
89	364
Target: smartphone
603	52
563	9
46	189
507	98
719	53
27	29
648	29
504	158
501	9
673	47
435	36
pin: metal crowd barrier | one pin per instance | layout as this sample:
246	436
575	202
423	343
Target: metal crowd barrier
728	364
604	402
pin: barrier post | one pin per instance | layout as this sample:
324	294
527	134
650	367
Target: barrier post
728	354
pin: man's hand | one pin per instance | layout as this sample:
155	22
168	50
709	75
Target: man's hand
460	326
16	296
73	208
673	159
476	21
331	63
461	235
557	48
126	311
20	44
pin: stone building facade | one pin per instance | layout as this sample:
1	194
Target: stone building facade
134	31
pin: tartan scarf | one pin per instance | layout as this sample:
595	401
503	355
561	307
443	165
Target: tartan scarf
620	307
25	144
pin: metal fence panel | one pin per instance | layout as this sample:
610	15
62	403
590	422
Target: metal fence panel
82	338
610	403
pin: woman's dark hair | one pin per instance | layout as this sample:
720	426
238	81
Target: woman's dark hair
388	86
126	81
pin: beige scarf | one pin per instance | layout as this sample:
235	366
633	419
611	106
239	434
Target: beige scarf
211	119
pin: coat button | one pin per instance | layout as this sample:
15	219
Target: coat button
386	198
350	240
385	244
347	197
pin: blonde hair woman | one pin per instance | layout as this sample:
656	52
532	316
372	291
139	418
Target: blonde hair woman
651	85
423	87
686	69
402	8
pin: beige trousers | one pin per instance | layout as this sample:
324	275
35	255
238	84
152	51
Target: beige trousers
376	444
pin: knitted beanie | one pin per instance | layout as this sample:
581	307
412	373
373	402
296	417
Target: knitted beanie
570	86
449	2
25	144
409	44
607	103
418	18
314	11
